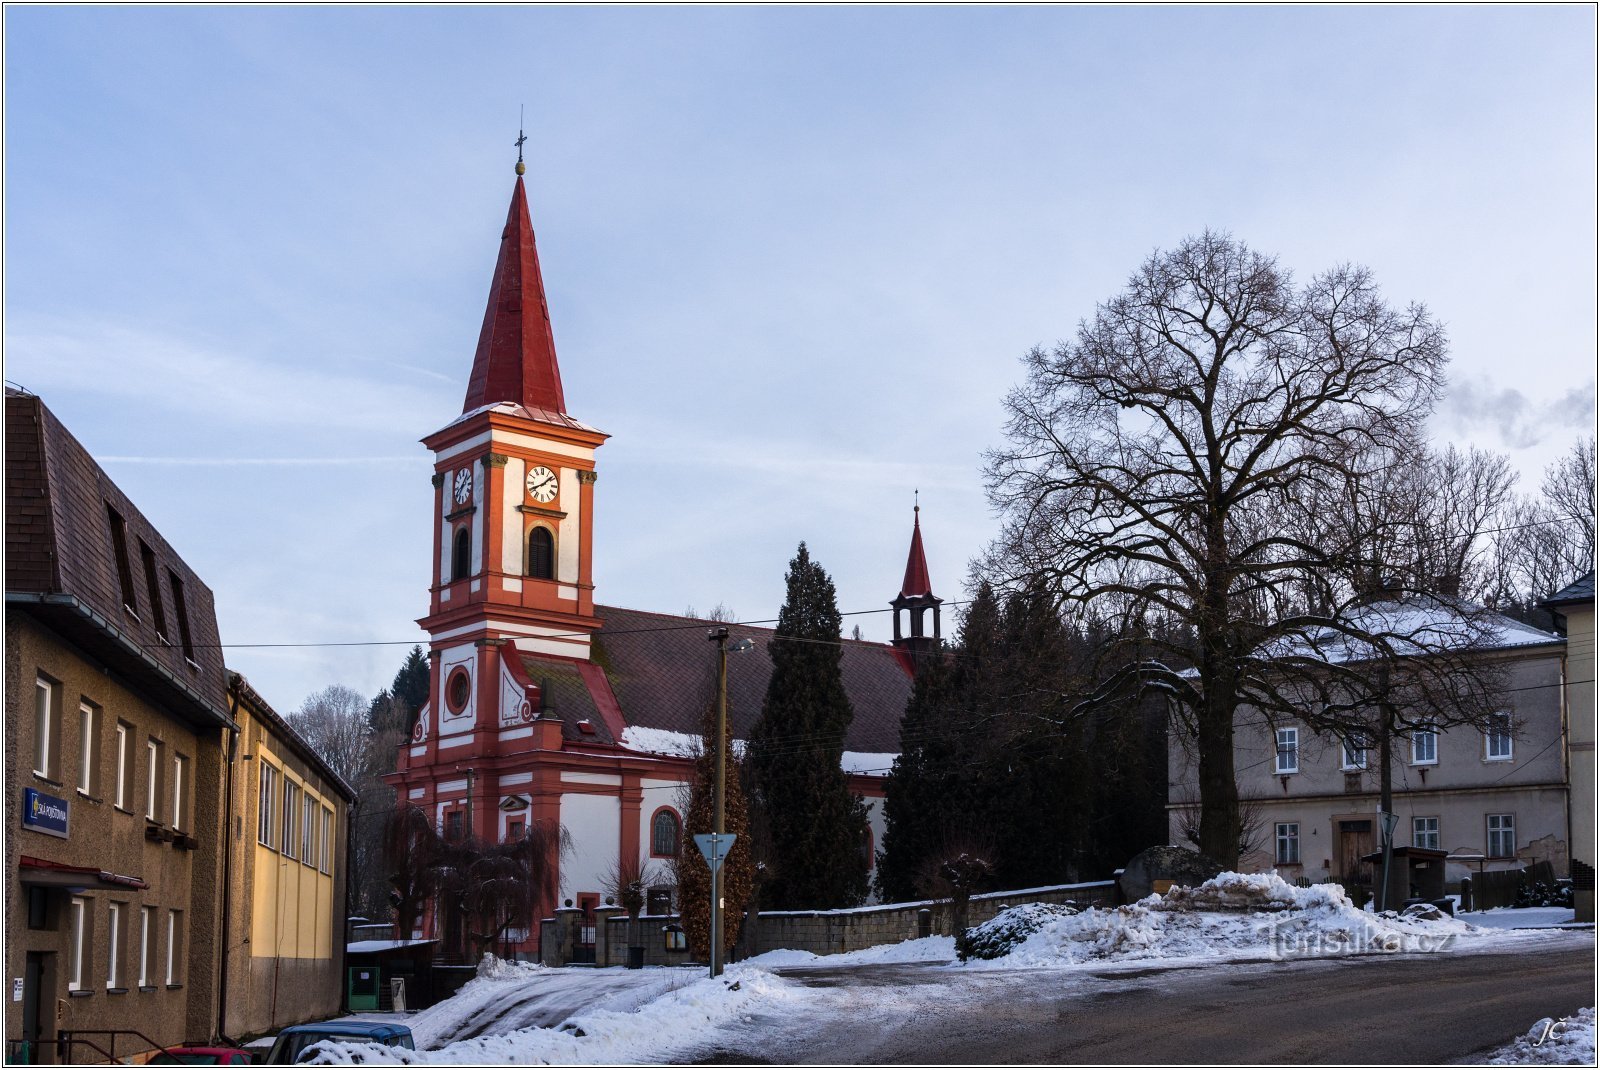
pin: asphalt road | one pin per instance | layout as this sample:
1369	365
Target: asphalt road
1400	1009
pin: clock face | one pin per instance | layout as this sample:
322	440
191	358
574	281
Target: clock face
463	486
541	484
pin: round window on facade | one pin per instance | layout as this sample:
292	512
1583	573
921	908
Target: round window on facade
458	690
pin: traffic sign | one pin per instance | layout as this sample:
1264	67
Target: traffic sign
715	846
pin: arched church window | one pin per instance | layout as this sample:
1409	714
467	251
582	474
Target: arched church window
461	561
664	833
541	554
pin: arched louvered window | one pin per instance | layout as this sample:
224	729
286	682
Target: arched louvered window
541	554
664	833
461	561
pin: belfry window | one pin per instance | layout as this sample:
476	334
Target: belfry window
461	562
541	554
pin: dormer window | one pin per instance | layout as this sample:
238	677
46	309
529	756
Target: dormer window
541	554
461	560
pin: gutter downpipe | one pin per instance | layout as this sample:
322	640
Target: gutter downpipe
227	862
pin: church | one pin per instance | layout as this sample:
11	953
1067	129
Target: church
545	706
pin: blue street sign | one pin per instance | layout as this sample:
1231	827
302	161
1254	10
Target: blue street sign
44	813
715	846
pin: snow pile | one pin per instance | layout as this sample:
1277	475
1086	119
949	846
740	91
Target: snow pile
1552	1042
924	949
1232	917
1002	933
638	1034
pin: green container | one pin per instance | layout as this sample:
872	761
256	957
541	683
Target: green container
361	990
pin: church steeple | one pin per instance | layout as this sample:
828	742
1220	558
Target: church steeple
516	357
916	596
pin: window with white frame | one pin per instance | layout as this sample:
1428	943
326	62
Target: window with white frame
124	794
46	728
152	785
308	831
1353	753
180	788
1288	750
291	816
77	941
1497	738
114	921
1502	835
1425	832
266	811
1425	745
88	748
147	948
327	841
174	947
1288	853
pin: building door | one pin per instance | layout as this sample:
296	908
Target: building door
584	951
34	1000
1355	840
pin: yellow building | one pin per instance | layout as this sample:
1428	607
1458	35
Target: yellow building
288	834
1575	603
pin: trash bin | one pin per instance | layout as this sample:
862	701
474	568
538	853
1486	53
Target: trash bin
635	958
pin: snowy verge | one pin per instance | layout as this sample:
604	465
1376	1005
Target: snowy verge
598	1037
1232	917
1551	1042
926	949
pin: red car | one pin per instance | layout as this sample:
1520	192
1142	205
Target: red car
201	1057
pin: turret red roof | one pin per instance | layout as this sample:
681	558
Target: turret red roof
516	358
916	582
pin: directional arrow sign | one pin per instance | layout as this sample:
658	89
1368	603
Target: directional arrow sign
715	846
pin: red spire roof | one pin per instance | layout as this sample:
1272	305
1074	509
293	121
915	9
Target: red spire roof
516	358
916	582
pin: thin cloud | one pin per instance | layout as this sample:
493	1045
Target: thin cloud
1475	404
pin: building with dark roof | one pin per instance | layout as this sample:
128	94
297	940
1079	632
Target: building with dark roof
545	706
1573	607
115	716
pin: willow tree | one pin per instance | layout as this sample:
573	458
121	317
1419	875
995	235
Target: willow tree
1150	460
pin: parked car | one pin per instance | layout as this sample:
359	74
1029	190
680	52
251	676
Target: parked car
292	1044
200	1056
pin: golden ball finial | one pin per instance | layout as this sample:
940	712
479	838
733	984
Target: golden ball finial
522	168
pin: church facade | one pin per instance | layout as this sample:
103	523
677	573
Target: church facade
545	706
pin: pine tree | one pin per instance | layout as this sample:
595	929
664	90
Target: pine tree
738	869
818	828
411	684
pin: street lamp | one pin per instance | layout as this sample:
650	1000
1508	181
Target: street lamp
719	788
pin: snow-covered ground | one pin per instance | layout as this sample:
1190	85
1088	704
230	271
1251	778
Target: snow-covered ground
517	1013
1552	1042
1519	917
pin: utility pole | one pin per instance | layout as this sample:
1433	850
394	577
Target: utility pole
718	792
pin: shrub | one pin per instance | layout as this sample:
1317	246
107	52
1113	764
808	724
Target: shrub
1003	932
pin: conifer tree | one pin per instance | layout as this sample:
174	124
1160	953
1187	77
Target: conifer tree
818	828
738	869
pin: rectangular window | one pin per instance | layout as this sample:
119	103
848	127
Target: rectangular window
88	748
77	938
180	609
152	587
152	785
1502	835
46	728
115	913
308	831
1425	832
119	548
1425	745
180	786
452	825
514	829
124	794
174	947
147	949
327	840
1497	739
265	811
1288	750
291	816
1288	843
1353	754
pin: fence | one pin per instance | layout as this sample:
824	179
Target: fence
822	932
1498	888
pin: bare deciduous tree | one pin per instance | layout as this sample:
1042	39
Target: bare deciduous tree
1151	458
334	722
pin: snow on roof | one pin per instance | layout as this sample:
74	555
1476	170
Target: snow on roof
1408	627
363	947
683	745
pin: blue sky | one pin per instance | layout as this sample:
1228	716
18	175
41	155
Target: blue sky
793	258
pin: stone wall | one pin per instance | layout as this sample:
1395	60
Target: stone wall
822	932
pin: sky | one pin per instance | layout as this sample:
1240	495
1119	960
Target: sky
794	257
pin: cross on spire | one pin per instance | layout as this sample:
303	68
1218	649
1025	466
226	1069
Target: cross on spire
521	137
